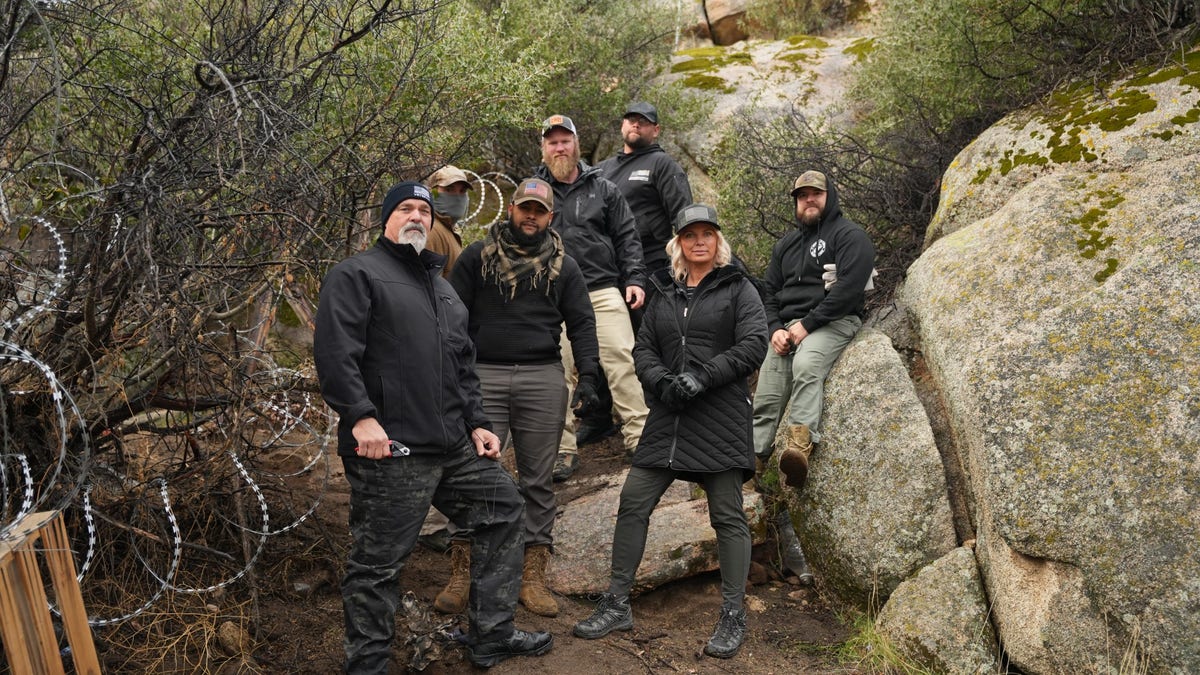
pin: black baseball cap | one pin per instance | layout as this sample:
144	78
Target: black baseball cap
644	109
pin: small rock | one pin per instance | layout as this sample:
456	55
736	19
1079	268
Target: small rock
233	639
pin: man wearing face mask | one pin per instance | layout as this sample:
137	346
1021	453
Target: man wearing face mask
450	200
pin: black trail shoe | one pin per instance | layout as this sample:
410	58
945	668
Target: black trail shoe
520	643
612	613
727	638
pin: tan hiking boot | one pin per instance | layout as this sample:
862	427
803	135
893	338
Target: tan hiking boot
793	462
453	598
534	594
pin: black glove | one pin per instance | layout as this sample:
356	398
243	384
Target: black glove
662	388
665	389
585	400
687	387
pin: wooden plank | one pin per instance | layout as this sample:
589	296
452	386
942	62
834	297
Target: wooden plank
24	605
70	598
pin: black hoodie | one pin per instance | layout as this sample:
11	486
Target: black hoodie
656	188
793	283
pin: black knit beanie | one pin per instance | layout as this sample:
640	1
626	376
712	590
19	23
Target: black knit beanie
409	189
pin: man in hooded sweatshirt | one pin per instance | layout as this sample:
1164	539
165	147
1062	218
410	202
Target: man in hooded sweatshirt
809	323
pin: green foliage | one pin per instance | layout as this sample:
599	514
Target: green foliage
871	651
780	18
599	56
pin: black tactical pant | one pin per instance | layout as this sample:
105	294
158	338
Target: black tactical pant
388	502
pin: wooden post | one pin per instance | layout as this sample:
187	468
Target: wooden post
28	632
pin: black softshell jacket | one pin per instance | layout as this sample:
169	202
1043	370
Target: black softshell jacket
391	343
793	285
597	229
721	335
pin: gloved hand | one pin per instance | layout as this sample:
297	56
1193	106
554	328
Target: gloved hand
688	386
664	390
585	399
830	277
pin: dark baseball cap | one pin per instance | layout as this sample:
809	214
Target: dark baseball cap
534	190
644	109
558	121
696	213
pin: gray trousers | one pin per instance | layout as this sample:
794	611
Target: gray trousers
800	377
388	502
640	494
528	401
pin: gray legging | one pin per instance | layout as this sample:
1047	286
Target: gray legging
640	494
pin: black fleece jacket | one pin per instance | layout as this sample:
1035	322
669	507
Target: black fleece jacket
526	328
597	228
793	287
391	343
656	188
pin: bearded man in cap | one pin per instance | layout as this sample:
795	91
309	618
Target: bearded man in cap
450	186
598	230
653	183
810	322
521	288
394	360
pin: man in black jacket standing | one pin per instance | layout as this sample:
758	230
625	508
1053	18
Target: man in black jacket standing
395	362
521	289
598	231
656	189
653	183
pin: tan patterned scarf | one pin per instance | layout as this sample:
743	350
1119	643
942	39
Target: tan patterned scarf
508	263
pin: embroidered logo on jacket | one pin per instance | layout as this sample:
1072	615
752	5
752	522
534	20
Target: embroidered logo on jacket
817	249
641	174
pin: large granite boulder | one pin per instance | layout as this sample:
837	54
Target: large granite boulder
939	618
1058	308
875	509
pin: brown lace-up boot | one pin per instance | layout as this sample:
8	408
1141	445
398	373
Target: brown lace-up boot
453	598
534	594
793	463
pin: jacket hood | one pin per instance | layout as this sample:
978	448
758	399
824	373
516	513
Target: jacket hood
623	156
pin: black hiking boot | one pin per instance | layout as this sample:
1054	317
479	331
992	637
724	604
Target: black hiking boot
612	613
729	634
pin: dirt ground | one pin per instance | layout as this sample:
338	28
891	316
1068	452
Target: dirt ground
792	629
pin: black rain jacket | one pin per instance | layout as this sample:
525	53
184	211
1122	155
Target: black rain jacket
597	228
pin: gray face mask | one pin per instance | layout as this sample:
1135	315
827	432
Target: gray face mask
454	206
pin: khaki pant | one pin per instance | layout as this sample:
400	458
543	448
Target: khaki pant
800	377
615	334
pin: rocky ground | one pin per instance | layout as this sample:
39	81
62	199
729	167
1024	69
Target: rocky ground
792	629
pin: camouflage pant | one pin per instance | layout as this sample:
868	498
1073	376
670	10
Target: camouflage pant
388	502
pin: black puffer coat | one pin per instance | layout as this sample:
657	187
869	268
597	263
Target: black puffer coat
720	335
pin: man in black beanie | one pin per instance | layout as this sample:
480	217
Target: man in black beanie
396	363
